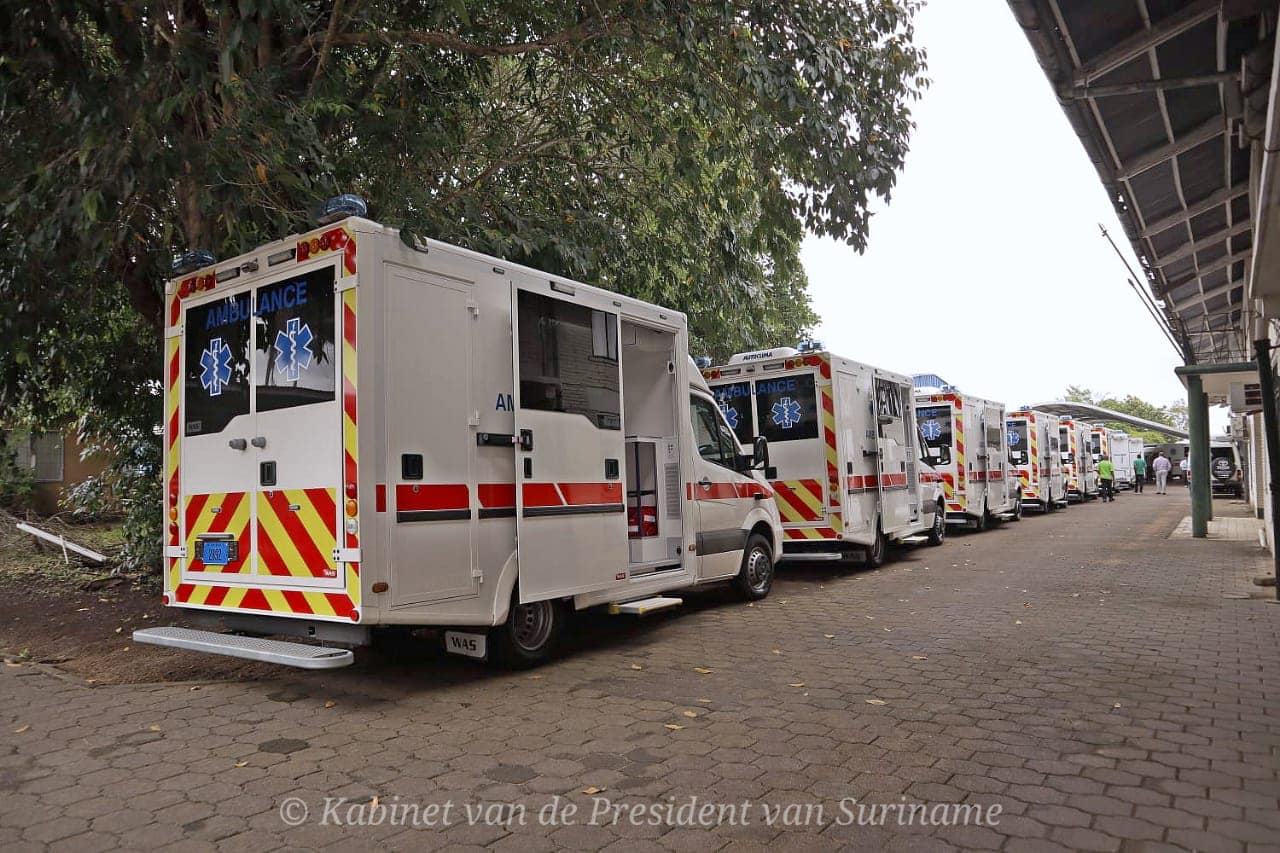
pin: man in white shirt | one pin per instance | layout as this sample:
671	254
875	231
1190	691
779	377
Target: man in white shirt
1161	466
1185	465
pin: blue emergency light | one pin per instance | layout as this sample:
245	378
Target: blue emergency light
340	207
192	261
810	346
703	362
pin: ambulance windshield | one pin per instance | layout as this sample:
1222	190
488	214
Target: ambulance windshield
934	426
1019	452
787	408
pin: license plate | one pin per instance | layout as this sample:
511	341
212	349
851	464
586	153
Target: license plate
469	645
218	552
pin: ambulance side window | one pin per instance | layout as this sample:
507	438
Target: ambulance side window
294	362
569	359
787	408
734	401
934	425
1018	451
714	440
217	365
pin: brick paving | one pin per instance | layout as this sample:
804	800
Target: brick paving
1083	671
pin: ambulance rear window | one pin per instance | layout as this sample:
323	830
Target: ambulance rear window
294	363
787	408
217	365
934	426
1019	446
734	400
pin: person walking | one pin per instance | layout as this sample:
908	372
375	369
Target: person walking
1161	466
1185	466
1139	474
1107	478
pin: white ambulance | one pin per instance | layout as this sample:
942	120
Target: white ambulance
365	430
842	438
965	441
1036	456
1121	457
1077	460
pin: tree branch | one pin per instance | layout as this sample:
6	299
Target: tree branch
331	32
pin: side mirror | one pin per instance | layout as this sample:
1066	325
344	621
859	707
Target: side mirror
760	453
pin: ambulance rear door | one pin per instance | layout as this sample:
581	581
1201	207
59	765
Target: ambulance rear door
893	453
571	524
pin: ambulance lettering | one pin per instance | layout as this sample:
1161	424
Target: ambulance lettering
505	403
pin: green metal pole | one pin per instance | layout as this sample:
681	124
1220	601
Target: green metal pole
1198	426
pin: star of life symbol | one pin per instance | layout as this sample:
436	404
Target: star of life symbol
293	349
786	413
1013	438
215	367
931	430
730	414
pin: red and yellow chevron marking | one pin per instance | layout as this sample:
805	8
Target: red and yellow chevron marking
799	501
350	433
322	605
218	512
297	531
829	438
807	533
172	457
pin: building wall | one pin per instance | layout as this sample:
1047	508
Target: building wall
51	484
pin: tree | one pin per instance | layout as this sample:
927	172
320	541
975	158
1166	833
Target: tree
674	151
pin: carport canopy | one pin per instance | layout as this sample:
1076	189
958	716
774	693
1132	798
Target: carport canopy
1090	412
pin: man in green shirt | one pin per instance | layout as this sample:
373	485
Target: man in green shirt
1107	478
1139	474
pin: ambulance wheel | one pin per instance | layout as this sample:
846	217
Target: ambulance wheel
938	533
755	578
530	634
980	523
1050	506
879	550
1017	508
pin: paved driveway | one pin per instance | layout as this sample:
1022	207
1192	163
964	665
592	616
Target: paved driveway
1080	677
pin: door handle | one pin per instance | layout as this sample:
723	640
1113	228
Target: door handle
237	444
526	440
705	482
258	441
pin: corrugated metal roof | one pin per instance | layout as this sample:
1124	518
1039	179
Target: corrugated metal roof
1163	95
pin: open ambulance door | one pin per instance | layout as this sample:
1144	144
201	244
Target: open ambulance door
571	524
893	453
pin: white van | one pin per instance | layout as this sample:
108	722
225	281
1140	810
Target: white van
1036	456
367	431
842	439
1077	460
965	441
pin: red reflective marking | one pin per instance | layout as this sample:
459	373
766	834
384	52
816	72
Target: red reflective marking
380	497
268	556
589	494
297	601
216	595
496	495
317	564
323	501
411	498
341	604
254	599
348	325
540	494
183	592
194	508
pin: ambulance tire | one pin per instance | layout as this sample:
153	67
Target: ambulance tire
755	578
531	634
1017	507
938	533
878	553
980	523
1050	506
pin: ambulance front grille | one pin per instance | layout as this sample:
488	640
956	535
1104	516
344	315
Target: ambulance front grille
673	490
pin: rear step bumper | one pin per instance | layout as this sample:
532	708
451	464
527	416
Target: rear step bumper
298	655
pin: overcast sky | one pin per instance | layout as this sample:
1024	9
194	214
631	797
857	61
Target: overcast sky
987	267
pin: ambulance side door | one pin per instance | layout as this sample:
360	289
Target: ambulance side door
854	423
721	504
891	443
